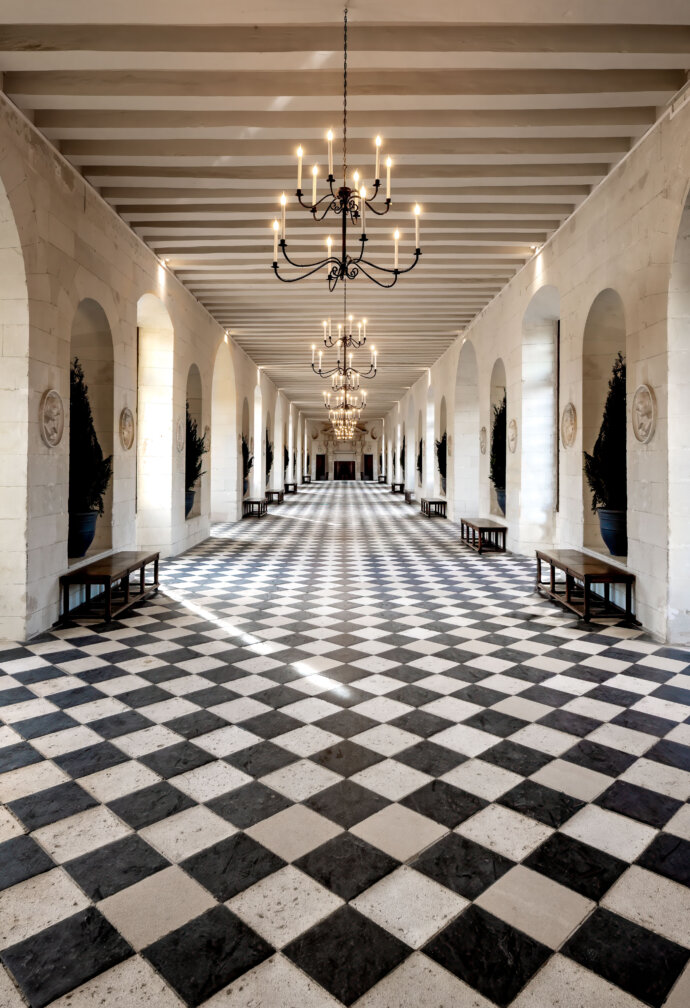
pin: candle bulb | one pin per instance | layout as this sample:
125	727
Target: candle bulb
275	241
378	158
330	331
314	173
388	178
329	244
300	153
417	211
364	329
396	239
355	176
329	137
283	203
363	206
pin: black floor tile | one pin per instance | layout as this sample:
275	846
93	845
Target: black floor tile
261	758
495	723
20	754
211	696
90	759
571	724
483	696
278	696
346	723
151	804
462	865
422	723
144	696
648	723
201	722
546	695
347	953
249	804
518	758
444	803
45	724
598	757
347	865
207	954
346	803
553	808
119	864
671	754
346	758
232	865
587	870
670	856
120	724
639	803
488	954
176	759
21	858
64	956
54	803
430	758
271	724
642	963
76	697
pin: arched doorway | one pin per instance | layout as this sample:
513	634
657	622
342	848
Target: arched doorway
441	448
497	439
194	409
157	431
537	442
604	338
91	345
465	456
223	463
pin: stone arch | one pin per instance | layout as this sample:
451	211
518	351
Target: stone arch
223	452
19	427
537	444
91	342
465	456
604	336
497	390
158	429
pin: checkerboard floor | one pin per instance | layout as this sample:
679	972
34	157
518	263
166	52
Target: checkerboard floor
341	759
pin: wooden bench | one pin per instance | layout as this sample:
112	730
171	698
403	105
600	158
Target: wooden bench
409	496
433	506
306	479
290	488
382	477
254	507
581	572
112	575
397	487
482	534
275	496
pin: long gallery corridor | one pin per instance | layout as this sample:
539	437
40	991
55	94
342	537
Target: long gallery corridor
342	760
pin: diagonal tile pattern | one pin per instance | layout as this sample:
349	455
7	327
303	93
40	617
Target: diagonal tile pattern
491	808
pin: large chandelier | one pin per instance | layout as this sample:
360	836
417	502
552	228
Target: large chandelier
351	202
344	375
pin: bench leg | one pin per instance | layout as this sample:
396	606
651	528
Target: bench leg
586	599
628	602
65	601
481	542
109	602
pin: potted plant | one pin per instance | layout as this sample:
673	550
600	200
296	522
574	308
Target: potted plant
269	457
247	463
605	468
497	460
195	449
286	460
402	456
419	460
89	472
441	454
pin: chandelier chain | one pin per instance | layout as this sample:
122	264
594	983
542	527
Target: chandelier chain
345	98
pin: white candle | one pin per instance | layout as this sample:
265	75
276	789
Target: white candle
330	331
300	152
362	206
364	328
314	173
359	332
329	243
396	238
283	203
324	331
417	211
329	137
313	351
378	158
320	356
388	177
275	240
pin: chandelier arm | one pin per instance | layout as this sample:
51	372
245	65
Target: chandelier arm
318	264
325	374
302	276
312	207
379	213
397	271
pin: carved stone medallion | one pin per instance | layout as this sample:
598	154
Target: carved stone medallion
512	436
482	440
51	416
179	435
568	425
644	413
126	428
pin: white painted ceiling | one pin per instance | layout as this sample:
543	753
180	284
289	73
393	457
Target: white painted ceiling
186	117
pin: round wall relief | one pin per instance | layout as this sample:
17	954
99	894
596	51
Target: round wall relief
179	435
51	417
512	436
373	434
568	425
126	428
644	413
482	440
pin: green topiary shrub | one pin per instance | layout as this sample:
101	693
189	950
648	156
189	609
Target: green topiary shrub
195	449
89	472
441	453
497	460
605	468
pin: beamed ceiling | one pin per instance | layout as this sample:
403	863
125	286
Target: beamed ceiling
186	117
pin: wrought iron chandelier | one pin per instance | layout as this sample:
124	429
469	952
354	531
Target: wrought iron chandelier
351	202
344	375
